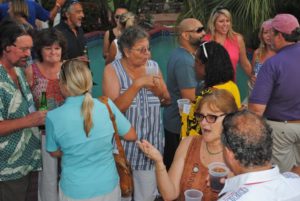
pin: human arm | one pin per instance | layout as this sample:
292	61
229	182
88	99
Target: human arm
245	63
56	154
111	88
160	89
168	182
124	127
106	45
259	109
111	53
57	6
31	120
189	93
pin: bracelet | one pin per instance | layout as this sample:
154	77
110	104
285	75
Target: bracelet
58	5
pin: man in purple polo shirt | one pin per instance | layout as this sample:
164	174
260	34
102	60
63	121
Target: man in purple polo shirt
276	94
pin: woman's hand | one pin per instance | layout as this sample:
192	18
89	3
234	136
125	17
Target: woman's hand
146	81
150	151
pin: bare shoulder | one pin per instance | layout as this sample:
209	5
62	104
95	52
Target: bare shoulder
239	37
184	145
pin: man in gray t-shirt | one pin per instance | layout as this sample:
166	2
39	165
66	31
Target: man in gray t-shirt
181	81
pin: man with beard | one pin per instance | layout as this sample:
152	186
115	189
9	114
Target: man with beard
181	81
19	138
70	26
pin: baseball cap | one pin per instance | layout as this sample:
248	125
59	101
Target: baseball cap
285	23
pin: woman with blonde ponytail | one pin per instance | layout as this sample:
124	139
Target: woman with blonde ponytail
80	131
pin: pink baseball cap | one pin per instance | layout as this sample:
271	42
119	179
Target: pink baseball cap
285	23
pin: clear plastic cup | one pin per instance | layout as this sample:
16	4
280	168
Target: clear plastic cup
181	103
193	195
151	70
217	171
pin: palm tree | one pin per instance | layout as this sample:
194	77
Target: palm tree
247	14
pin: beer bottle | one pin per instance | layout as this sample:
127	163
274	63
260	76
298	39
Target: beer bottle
43	106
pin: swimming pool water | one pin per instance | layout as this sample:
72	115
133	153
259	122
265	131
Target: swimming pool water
161	48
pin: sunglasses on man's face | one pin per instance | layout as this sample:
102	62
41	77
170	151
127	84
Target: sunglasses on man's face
198	30
117	17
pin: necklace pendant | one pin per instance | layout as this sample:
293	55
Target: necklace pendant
195	169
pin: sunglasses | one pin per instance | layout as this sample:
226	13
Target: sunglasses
217	9
198	30
117	17
205	58
210	118
142	50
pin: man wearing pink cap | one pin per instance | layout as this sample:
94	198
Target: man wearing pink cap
276	92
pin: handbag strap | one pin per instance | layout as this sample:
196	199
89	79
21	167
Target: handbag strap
120	148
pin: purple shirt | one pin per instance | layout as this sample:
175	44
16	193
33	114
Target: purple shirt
278	85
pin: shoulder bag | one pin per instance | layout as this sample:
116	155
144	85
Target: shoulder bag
122	164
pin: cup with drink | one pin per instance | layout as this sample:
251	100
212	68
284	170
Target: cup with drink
181	103
151	70
217	171
193	195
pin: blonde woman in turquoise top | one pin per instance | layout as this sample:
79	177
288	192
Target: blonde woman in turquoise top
80	131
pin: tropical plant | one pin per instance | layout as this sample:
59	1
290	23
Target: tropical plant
247	15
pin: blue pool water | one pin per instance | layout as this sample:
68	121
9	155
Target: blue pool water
162	45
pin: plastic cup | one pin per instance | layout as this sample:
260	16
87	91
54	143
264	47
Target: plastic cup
217	171
151	70
193	195
181	103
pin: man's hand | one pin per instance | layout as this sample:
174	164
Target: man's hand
36	118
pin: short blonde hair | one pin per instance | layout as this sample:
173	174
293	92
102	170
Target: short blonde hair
77	78
212	21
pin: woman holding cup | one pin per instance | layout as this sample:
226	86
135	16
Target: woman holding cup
189	169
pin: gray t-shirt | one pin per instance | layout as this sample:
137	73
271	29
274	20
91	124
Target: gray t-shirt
180	75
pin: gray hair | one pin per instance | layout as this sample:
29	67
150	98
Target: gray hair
249	137
130	36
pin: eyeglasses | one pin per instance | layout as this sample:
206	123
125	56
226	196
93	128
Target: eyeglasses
198	30
117	17
210	118
205	58
23	49
142	50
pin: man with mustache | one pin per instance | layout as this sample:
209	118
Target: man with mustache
181	81
20	151
70	26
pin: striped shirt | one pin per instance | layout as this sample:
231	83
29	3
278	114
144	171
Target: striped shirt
144	115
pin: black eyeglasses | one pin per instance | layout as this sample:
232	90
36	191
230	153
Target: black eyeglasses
198	30
117	17
210	118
